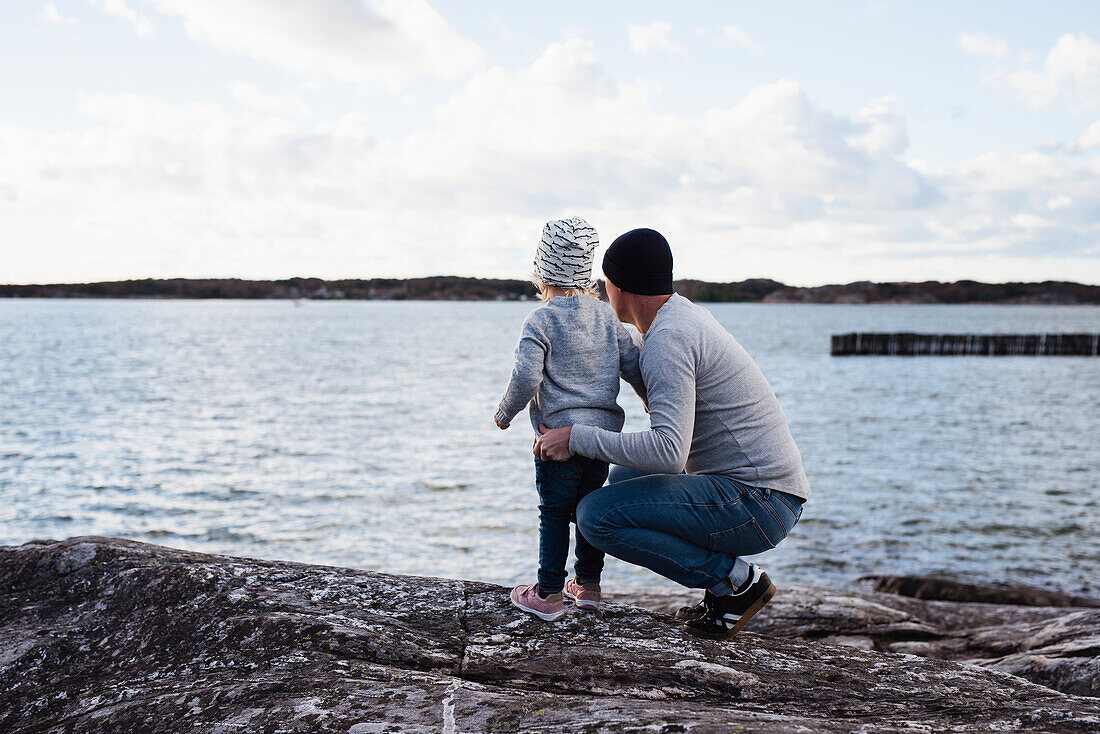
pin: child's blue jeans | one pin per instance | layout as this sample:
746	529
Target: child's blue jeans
561	485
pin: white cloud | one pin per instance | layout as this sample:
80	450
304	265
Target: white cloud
1070	71
1089	141
373	41
502	29
654	36
770	184
141	24
737	35
286	103
884	131
50	14
983	45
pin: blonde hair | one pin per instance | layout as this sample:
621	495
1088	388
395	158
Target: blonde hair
546	292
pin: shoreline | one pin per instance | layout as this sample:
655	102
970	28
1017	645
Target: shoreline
532	301
454	288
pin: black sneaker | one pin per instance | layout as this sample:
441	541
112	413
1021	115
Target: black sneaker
698	610
724	616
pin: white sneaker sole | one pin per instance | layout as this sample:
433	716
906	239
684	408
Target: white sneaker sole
547	616
581	604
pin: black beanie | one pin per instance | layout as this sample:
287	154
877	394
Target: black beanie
640	262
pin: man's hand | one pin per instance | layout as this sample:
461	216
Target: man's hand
501	426
553	444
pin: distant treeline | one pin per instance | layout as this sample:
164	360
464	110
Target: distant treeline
963	291
448	288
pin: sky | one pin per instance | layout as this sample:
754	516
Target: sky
807	142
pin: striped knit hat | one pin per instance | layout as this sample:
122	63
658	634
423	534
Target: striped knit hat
564	256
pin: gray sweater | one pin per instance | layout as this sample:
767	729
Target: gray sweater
568	361
710	409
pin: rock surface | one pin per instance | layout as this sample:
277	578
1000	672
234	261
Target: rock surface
1056	646
101	634
939	588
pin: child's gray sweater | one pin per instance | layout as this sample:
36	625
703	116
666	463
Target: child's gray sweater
568	361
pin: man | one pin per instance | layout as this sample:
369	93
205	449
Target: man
716	477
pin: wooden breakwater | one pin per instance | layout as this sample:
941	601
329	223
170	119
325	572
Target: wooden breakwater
952	345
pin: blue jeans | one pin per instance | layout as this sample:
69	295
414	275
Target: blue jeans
691	528
561	485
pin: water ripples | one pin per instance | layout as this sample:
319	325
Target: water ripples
360	434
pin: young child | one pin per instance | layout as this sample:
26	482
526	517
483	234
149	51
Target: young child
568	361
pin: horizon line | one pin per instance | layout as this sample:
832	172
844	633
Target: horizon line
528	280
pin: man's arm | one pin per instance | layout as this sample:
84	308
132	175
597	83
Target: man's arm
526	375
668	370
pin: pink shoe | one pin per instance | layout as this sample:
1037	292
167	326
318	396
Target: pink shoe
585	596
527	598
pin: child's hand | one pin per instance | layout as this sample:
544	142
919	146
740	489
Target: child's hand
503	427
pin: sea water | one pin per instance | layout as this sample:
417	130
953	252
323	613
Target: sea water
361	434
